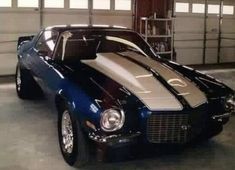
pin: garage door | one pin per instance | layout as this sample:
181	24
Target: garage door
14	23
24	17
204	31
228	32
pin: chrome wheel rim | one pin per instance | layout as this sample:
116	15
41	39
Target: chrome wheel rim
18	79
67	133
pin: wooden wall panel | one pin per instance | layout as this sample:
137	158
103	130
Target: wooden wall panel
145	8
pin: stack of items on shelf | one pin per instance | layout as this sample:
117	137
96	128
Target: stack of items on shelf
158	32
160	46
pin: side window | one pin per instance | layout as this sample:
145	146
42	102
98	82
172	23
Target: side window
46	43
58	52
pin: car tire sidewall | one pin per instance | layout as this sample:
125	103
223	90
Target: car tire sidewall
22	93
80	155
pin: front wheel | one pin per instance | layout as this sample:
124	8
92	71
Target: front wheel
73	144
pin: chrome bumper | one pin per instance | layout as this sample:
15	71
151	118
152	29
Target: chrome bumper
114	139
220	118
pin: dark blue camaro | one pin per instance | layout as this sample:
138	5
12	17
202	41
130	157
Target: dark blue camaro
111	89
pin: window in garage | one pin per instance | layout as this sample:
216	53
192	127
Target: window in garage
54	3
123	5
198	8
78	4
228	9
28	3
105	5
5	3
213	9
181	7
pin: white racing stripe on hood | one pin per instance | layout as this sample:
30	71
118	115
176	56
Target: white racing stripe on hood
191	93
136	79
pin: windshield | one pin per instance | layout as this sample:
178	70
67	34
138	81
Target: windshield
82	45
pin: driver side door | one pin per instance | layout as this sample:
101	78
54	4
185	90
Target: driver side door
40	59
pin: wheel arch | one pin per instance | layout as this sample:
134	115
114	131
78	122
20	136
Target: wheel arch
62	100
82	106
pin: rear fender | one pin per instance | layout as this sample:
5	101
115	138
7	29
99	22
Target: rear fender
24	39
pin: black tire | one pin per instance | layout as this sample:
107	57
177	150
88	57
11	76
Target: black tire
79	154
26	87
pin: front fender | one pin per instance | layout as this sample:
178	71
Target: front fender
82	106
212	87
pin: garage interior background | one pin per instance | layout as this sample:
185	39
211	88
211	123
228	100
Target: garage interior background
204	30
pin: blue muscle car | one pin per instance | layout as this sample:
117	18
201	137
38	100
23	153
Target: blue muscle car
112	90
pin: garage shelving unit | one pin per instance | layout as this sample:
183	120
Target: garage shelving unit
158	32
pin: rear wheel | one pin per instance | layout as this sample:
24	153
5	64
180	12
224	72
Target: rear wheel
26	87
73	144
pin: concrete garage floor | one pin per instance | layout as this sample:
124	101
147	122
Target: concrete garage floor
28	140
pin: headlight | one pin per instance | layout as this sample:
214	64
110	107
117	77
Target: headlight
230	103
112	120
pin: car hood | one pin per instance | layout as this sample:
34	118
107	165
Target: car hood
155	84
212	87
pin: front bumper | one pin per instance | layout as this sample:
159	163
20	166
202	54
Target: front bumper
120	140
195	126
223	118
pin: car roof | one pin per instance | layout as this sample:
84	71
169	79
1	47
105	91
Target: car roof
62	28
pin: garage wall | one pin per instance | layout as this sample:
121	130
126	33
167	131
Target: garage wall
188	40
14	24
228	36
17	22
190	32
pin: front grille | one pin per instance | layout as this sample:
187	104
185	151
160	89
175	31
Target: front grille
167	128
